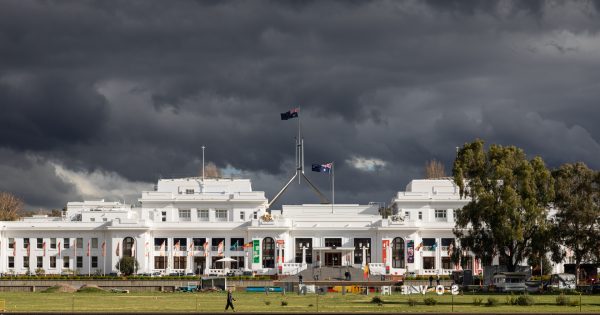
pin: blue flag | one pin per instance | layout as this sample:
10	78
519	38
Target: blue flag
292	113
322	168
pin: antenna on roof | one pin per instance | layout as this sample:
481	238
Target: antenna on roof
299	172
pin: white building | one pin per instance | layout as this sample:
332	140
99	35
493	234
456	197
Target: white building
188	224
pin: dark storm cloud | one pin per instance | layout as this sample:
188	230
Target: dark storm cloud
103	89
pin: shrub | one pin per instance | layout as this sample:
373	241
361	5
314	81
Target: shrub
562	300
525	300
310	305
412	302
377	300
284	303
267	303
511	300
430	301
127	265
477	301
492	301
573	303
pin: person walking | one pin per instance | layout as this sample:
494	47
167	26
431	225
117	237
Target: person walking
230	300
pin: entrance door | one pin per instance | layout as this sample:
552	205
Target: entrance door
199	265
333	259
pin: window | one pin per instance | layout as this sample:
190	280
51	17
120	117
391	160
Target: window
79	241
94	242
52	261
407	215
447	263
189	191
11	262
237	244
203	215
238	263
221	215
215	244
164	216
66	243
268	251
333	242
179	262
40	243
104	219
158	244
440	215
181	242
198	243
53	243
26	262
398	253
185	215
242	215
420	215
429	244
304	242
25	242
255	215
40	262
128	244
92	219
11	243
79	262
359	244
94	261
66	262
428	262
160	262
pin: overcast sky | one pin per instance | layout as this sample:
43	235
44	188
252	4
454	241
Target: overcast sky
99	99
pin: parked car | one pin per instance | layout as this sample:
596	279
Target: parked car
509	282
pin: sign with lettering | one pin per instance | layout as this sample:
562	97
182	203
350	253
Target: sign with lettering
256	251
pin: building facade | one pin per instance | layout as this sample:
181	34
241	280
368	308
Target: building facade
190	225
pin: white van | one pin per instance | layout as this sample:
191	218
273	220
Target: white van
509	282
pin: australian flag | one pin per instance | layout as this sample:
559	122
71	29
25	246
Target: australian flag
322	168
292	113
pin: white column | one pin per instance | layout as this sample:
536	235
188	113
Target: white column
303	255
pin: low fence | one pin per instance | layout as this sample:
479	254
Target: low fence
131	285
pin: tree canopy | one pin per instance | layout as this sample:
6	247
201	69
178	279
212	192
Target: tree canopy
10	207
509	195
577	218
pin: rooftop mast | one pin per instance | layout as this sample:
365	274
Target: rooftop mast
299	173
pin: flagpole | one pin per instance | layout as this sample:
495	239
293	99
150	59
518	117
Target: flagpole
332	185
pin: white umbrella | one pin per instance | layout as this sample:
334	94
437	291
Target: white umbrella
226	260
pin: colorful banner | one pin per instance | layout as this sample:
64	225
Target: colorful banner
384	249
256	251
410	249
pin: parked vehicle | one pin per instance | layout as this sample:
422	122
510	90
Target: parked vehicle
509	282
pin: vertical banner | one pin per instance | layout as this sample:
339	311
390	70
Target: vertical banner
384	249
256	251
410	249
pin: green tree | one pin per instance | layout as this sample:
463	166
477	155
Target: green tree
576	223
127	265
509	196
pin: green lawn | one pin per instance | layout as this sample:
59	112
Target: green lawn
259	302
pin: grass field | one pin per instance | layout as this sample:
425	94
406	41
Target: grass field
259	302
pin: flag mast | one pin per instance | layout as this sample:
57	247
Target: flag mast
332	185
299	172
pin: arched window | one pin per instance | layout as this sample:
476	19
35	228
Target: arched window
268	253
398	253
128	244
